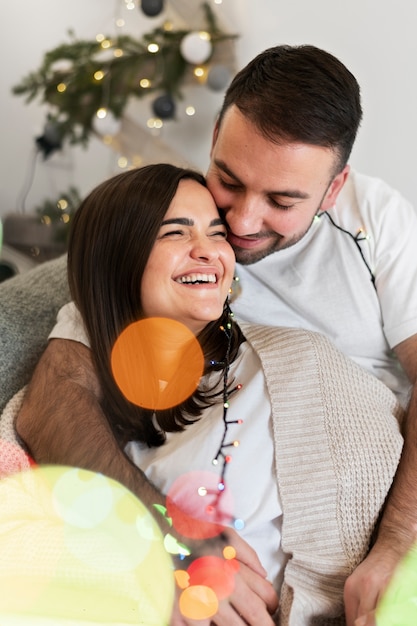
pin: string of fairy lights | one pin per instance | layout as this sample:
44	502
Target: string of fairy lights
88	84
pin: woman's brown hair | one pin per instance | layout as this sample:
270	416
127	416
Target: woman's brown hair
111	238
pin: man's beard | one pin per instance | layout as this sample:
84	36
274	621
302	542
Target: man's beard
248	257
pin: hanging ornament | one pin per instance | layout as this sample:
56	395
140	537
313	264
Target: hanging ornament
164	107
51	139
152	8
196	47
105	124
218	77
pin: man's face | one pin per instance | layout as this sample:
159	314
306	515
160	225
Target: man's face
268	192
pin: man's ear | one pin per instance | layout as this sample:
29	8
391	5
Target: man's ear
334	189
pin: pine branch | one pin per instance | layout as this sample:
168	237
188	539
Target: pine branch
66	78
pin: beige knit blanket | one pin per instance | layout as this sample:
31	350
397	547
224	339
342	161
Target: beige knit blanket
337	447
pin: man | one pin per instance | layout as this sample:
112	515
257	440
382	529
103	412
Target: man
318	246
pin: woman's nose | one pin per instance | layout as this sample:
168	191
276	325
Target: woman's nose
204	248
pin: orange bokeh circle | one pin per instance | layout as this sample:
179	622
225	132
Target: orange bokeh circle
198	602
213	572
157	363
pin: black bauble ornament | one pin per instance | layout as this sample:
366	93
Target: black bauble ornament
152	8
50	140
164	107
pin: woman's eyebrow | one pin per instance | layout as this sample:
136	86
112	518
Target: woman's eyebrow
185	221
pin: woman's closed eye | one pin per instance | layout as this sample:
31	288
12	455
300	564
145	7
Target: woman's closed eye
172	233
219	233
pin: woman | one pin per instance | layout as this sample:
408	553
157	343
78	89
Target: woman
277	439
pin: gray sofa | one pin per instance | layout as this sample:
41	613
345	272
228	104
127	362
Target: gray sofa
29	303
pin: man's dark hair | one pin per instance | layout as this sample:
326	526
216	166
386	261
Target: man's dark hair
299	93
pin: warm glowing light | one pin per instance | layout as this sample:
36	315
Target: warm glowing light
61	87
145	83
153	48
154	122
118	52
204	35
190	110
106	43
120	22
100	37
215	573
195	515
163	344
137	160
65	218
99	75
168	26
199	71
62	204
122	162
229	552
71	544
182	578
46	220
101	113
130	6
198	602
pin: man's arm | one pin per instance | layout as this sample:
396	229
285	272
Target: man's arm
397	529
61	422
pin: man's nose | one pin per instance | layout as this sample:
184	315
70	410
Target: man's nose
244	216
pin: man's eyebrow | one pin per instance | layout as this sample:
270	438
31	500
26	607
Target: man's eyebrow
185	221
288	193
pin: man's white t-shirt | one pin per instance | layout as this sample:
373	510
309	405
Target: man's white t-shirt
322	283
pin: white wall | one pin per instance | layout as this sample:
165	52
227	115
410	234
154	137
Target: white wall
375	40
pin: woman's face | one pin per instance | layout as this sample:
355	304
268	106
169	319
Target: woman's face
190	268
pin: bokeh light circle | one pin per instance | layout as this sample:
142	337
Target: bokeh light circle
82	499
214	572
110	568
197	509
198	602
398	605
157	363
